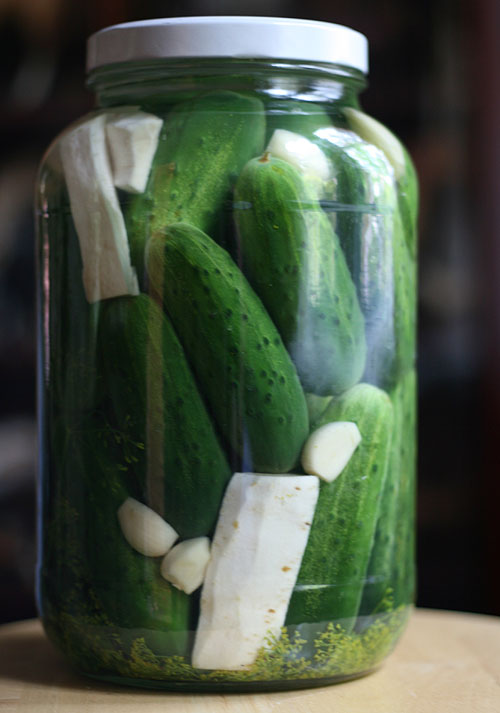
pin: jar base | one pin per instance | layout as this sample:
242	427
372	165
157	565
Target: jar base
223	687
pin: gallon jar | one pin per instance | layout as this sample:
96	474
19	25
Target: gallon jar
226	252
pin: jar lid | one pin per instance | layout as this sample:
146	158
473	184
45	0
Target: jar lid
238	37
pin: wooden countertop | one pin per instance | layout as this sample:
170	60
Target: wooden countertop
446	662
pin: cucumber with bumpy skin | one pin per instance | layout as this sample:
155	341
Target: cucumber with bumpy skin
124	587
241	364
375	133
330	581
403	562
294	261
173	447
390	569
204	143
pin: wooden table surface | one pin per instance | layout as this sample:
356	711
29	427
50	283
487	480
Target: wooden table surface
446	662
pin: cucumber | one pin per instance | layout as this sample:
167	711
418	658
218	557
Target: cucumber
93	571
331	577
405	307
403	562
157	411
242	367
294	261
373	238
408	204
390	569
204	144
72	324
370	130
316	406
364	204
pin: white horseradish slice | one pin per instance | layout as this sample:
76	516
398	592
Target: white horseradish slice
99	223
186	563
257	549
308	158
144	529
375	133
328	450
132	141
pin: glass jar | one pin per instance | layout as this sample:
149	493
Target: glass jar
227	277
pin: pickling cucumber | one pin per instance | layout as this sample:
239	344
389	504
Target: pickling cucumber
294	262
204	144
373	239
364	203
373	132
94	575
128	585
239	359
391	561
159	415
330	581
403	561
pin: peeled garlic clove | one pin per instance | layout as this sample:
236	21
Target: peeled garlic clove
308	158
328	449
186	563
144	529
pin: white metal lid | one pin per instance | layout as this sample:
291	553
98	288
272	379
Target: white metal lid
222	36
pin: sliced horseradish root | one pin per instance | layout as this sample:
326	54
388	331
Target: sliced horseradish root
375	133
99	223
308	158
328	450
132	141
186	563
144	529
257	549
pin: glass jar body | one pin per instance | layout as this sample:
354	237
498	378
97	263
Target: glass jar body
227	278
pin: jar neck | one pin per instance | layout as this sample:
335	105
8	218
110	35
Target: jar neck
156	82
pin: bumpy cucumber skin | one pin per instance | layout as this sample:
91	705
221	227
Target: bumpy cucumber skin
403	562
331	577
204	143
294	261
182	467
405	307
97	573
242	367
408	204
364	195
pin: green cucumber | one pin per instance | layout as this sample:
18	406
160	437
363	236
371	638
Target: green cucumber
405	306
391	567
371	131
331	577
364	201
72	322
373	238
403	562
204	144
242	367
294	262
159	415
407	186
94	571
316	406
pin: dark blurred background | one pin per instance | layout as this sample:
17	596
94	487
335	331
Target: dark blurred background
434	80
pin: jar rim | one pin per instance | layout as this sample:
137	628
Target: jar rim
243	37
